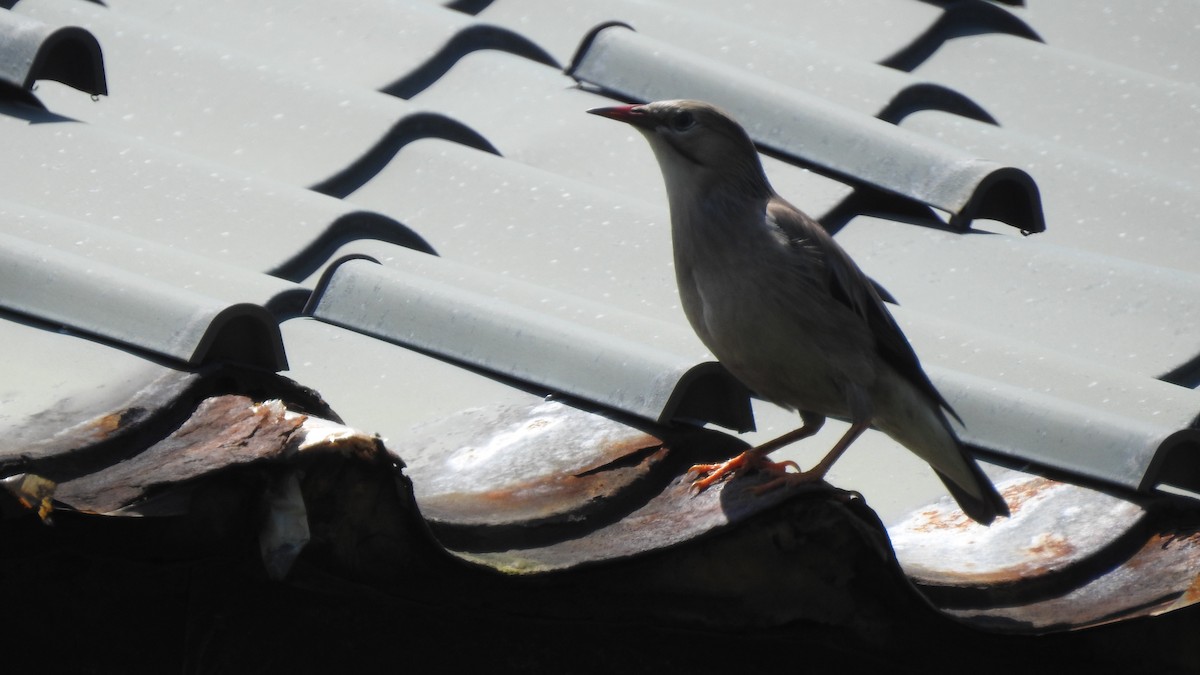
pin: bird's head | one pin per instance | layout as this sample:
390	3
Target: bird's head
699	147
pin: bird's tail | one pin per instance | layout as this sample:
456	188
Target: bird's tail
982	504
926	432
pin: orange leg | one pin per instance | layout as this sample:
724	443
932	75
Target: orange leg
750	459
755	458
817	472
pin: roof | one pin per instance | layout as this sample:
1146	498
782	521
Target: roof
402	206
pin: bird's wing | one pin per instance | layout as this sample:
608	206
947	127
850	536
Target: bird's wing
848	285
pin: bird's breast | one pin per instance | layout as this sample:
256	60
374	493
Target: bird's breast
775	328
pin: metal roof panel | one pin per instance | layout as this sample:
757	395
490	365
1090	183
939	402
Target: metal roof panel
1083	102
850	145
526	223
1061	299
1159	37
131	187
1093	202
174	92
394	46
627	362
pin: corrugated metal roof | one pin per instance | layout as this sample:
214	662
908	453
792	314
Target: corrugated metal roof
368	159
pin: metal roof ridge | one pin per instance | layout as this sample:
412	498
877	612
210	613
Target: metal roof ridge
1022	401
841	142
627	362
410	127
121	306
32	50
410	44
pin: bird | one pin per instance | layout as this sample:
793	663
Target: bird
786	311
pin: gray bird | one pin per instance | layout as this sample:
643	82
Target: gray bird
786	310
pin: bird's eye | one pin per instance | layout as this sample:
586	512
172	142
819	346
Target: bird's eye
683	120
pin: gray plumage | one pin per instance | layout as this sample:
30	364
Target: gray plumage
785	309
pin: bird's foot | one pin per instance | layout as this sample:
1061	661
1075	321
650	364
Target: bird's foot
706	475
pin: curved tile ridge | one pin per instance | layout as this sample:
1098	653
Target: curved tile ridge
968	17
410	128
855	147
105	299
31	50
1031	404
639	366
929	96
349	227
472	38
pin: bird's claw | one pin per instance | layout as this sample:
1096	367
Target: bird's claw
705	476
